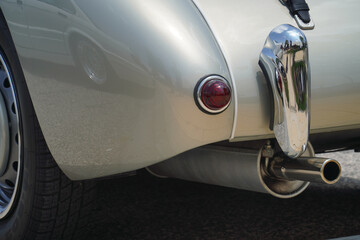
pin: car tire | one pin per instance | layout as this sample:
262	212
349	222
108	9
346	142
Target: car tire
44	203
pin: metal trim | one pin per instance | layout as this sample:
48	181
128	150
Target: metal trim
285	63
305	26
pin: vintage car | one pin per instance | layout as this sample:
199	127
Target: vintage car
212	91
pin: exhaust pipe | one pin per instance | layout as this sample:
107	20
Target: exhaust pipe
250	169
310	169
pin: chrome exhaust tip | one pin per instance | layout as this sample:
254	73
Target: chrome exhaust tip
331	171
309	169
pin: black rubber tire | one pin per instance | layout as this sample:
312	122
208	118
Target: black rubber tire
48	205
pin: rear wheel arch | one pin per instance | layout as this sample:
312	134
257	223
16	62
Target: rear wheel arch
47	204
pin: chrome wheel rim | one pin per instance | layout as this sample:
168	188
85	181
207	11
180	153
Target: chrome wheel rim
92	62
10	161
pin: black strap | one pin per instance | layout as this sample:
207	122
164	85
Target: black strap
300	8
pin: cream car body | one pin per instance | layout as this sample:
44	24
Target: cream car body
156	52
238	93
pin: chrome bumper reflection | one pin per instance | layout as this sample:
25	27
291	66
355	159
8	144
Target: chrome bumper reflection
284	62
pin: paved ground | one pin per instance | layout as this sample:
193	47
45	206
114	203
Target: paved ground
143	207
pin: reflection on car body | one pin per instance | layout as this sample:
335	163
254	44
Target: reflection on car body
186	89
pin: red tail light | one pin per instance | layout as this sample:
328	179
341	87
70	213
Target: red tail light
213	94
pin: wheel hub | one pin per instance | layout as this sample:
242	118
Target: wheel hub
10	141
4	136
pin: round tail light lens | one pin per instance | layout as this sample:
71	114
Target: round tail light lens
213	94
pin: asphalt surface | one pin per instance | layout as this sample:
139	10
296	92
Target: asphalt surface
145	207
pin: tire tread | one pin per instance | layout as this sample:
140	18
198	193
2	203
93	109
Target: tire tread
61	207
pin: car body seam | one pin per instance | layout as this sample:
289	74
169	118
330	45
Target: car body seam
232	79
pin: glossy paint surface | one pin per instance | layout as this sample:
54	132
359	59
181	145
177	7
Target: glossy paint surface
241	28
144	111
127	100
